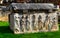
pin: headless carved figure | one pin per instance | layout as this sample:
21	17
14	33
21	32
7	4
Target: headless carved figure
47	21
21	23
40	24
33	22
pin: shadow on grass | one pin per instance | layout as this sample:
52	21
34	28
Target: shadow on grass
5	29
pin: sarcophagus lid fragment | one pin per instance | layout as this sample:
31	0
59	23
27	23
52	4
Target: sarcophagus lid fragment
32	6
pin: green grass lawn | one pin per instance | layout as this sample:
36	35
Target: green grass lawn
5	32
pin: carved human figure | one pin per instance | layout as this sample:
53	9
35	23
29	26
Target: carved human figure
40	23
16	20
47	21
33	22
22	23
27	23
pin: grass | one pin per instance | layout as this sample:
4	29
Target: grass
5	32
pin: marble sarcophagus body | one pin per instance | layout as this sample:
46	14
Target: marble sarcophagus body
33	17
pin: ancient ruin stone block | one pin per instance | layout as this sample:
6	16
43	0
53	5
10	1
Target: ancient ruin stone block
23	23
32	21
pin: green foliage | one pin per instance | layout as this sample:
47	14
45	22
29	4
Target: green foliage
4	23
5	32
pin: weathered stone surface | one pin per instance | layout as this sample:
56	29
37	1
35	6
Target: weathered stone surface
27	23
31	22
32	6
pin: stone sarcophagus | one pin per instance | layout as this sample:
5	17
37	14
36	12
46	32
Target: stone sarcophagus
31	18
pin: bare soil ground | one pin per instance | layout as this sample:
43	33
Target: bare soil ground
3	18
